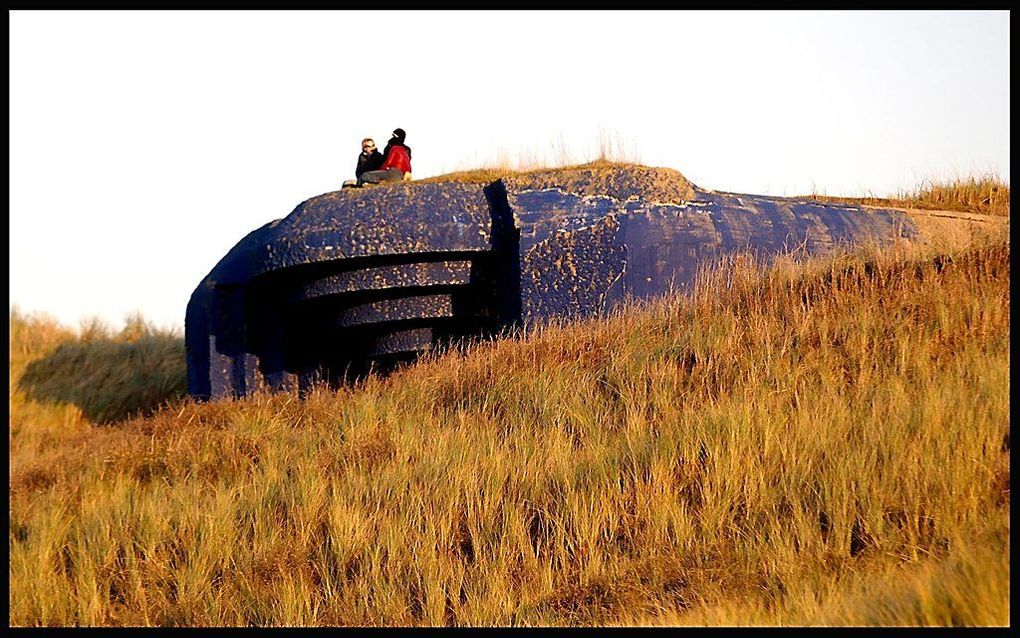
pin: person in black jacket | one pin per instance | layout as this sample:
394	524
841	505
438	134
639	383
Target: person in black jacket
370	159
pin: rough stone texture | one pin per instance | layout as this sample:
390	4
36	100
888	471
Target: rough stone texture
319	293
432	218
383	277
619	183
362	278
581	253
404	341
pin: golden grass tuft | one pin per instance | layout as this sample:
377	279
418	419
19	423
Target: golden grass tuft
610	150
984	194
108	375
816	443
488	175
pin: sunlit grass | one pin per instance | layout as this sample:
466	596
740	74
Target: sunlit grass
985	194
609	150
488	175
820	443
108	374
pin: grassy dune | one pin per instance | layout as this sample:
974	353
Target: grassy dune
820	443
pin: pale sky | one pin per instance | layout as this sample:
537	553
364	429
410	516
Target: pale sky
143	145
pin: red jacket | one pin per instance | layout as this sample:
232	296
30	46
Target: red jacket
397	158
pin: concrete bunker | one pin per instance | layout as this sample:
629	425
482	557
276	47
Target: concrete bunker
360	280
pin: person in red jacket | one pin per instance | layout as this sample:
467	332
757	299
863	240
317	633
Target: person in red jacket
396	165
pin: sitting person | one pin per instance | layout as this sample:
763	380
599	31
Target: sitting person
370	159
397	163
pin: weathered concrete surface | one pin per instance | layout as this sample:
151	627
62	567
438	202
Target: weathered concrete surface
359	279
583	252
342	283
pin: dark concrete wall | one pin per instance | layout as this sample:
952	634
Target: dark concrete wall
363	279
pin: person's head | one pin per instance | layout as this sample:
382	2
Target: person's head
367	145
399	135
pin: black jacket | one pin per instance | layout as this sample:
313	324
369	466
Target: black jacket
370	162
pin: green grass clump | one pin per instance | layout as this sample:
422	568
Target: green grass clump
817	443
108	375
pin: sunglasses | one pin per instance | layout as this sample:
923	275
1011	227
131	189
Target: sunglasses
368	147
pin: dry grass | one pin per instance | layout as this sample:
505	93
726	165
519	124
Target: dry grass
985	194
488	175
824	443
108	375
610	150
